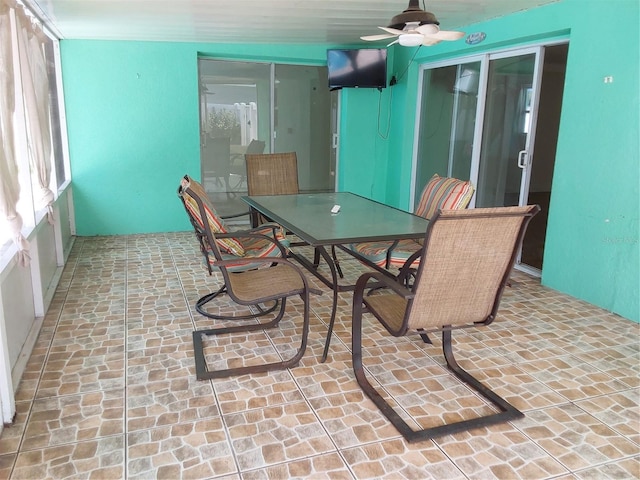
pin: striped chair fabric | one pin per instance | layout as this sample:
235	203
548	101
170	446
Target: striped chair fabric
231	248
440	193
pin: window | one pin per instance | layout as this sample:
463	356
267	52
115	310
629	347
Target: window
35	122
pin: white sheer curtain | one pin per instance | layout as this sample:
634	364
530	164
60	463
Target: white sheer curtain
9	185
35	87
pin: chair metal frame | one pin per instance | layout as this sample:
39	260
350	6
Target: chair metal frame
202	370
206	237
399	323
284	280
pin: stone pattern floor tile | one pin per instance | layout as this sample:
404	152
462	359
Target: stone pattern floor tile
575	438
247	392
326	466
503	453
110	392
276	434
168	402
571	378
75	418
12	435
397	459
352	419
184	450
627	468
102	458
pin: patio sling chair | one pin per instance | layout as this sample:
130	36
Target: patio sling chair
440	193
238	167
466	260
271	174
229	246
254	272
211	232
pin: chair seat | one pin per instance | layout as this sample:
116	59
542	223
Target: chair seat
266	283
376	252
257	247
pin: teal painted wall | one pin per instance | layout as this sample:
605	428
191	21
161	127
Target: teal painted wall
592	249
593	224
132	115
132	119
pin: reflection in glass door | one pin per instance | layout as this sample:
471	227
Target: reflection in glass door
506	132
447	125
248	107
235	109
302	123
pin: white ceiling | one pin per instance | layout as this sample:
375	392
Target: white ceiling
252	21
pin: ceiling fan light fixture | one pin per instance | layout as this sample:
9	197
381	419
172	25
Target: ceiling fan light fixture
410	39
414	27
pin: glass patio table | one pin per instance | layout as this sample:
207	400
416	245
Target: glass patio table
309	216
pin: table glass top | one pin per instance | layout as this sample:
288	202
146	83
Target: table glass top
360	219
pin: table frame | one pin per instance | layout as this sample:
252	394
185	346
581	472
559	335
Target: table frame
411	226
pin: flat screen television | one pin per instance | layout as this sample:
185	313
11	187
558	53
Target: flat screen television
357	68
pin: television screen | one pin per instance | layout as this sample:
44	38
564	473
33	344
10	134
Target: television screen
361	68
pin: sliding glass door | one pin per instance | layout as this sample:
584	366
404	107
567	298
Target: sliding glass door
477	121
262	108
503	167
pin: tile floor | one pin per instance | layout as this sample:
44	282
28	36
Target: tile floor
110	389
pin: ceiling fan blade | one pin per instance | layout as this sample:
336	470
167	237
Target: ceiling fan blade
428	29
375	38
428	41
446	35
392	31
394	42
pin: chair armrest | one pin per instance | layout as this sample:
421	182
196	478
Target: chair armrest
384	281
259	230
406	268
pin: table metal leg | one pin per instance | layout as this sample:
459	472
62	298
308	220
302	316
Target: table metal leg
336	288
320	251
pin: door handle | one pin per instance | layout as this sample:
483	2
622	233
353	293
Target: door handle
522	159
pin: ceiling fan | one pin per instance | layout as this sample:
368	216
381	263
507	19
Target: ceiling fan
414	27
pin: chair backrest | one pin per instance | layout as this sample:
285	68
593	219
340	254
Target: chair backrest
466	261
205	220
255	146
216	156
444	193
272	173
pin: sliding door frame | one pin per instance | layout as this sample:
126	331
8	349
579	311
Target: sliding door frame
525	158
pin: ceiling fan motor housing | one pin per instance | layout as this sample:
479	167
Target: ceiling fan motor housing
413	13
